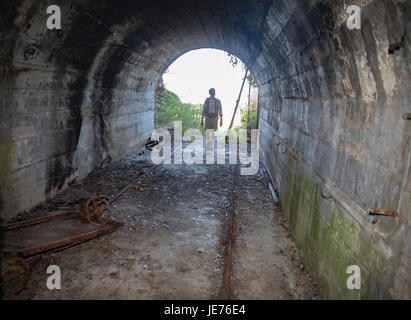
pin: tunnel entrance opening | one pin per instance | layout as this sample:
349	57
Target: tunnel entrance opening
185	84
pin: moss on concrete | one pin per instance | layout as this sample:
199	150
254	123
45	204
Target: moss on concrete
332	240
7	154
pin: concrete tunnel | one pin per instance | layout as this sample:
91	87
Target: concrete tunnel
338	99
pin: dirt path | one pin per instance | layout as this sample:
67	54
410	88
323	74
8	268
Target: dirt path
171	244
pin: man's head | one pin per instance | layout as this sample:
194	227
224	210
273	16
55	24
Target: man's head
211	92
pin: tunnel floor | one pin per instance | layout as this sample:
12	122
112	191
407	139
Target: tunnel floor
171	245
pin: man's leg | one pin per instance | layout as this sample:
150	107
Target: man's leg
209	139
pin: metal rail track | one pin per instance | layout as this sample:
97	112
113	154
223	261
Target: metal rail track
225	289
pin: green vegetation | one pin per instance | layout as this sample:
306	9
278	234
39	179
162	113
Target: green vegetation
172	109
7	157
250	124
252	118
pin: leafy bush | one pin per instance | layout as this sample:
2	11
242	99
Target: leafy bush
252	121
172	109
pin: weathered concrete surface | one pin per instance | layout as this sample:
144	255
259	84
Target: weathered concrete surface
78	98
336	100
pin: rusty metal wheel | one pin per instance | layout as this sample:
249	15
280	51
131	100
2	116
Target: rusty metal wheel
97	211
15	274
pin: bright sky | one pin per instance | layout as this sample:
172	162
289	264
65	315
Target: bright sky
194	73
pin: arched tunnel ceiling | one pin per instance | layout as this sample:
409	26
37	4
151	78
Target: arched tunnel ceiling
154	33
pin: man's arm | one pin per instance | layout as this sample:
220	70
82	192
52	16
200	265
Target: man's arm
220	111
203	113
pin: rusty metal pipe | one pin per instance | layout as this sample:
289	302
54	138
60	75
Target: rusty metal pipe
326	197
382	212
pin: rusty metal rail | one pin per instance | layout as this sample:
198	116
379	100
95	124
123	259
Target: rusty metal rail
32	222
140	179
225	289
43	234
60	230
23	239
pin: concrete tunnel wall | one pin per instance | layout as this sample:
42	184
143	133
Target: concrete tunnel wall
77	98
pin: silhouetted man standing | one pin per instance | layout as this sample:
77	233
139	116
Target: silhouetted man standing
212	109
